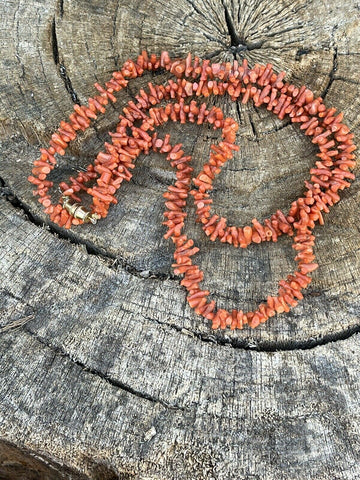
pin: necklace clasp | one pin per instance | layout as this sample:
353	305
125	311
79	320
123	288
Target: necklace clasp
78	211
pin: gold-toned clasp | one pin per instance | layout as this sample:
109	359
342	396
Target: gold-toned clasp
78	211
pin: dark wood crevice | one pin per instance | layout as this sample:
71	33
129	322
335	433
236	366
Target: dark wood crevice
220	338
213	339
114	32
54	42
60	64
110	260
238	44
68	85
61	8
331	74
99	374
235	39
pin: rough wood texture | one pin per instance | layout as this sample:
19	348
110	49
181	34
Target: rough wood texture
108	371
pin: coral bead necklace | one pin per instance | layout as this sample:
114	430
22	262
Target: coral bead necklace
176	101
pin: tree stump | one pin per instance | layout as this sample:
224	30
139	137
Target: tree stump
106	373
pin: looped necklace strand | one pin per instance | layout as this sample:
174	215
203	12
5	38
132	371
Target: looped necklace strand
194	78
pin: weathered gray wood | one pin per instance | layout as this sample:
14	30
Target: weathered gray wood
111	374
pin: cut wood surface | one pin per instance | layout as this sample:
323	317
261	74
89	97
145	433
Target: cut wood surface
106	372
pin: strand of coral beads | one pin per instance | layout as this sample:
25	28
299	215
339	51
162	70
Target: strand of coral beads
194	78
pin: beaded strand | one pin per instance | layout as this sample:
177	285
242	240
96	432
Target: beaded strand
194	78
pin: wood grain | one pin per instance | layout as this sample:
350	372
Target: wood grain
105	371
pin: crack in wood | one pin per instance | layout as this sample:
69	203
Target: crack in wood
237	104
68	85
54	43
110	260
113	34
106	378
265	346
289	345
238	43
197	10
253	128
60	65
331	74
61	8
